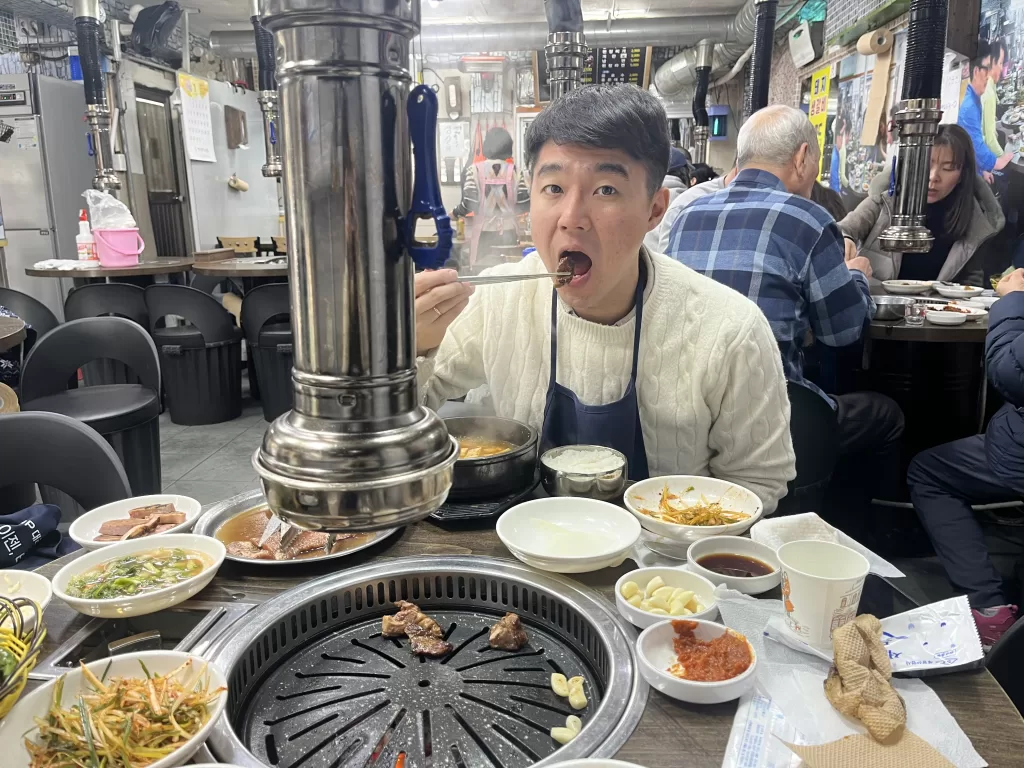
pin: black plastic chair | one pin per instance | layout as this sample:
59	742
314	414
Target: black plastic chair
100	300
125	414
201	361
32	311
1003	661
268	337
815	432
58	452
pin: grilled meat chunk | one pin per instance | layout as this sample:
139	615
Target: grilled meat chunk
508	634
564	265
409	614
248	550
423	642
141	513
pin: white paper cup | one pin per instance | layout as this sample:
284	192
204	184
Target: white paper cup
821	587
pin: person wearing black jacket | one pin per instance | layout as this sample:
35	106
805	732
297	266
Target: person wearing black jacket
946	480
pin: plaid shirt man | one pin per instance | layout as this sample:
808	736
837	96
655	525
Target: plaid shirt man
786	254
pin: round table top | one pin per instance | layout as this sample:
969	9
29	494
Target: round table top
12	332
668	729
973	331
154	267
240	267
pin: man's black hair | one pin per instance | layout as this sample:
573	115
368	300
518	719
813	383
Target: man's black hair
619	117
983	58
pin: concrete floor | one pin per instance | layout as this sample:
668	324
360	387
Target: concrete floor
211	463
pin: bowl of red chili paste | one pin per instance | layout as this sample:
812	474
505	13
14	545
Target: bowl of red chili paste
701	662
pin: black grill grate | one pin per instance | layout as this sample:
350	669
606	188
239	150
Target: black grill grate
323	689
356	696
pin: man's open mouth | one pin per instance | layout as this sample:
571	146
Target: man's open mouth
576	263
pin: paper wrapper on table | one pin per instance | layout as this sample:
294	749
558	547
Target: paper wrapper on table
859	751
791	704
776	531
858	685
931	639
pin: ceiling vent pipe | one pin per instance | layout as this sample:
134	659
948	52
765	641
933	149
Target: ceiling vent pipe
761	59
526	36
267	92
88	30
705	53
917	122
357	452
566	47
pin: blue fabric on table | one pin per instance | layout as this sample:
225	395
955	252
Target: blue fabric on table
29	538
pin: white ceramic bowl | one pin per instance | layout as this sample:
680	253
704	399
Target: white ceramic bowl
586	762
957	291
20	722
734	498
26	584
654	648
735	545
568	534
148	602
907	287
86	528
939	317
702	589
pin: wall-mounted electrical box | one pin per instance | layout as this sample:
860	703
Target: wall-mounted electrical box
718	122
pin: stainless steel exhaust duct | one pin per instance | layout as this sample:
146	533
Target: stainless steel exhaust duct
88	31
761	60
526	36
358	452
705	53
267	92
917	121
566	47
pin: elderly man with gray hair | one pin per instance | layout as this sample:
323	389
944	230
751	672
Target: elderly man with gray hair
764	237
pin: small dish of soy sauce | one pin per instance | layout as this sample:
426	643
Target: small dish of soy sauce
737	562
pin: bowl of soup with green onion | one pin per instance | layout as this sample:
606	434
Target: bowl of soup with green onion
139	576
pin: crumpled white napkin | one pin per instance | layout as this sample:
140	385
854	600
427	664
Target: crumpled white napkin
776	531
65	264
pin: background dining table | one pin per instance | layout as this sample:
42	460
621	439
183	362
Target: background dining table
12	333
670	734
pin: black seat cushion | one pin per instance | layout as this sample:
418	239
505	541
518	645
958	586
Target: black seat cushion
106	408
273	334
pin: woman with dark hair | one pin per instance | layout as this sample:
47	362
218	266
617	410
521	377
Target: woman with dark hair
495	194
962	214
702	172
828	199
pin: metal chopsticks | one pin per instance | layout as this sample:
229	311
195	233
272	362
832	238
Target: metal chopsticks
485	279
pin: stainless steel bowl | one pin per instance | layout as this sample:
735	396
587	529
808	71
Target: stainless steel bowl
604	486
891	307
498	475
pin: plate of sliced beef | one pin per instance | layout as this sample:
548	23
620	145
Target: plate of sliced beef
135	518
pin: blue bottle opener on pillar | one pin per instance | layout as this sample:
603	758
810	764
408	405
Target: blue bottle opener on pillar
426	190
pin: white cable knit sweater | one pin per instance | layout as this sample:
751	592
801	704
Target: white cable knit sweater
710	384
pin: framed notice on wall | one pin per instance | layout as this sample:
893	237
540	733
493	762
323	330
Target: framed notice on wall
602	65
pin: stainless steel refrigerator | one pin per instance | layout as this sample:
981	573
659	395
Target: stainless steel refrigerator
44	168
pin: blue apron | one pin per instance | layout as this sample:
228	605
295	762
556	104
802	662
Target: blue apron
616	425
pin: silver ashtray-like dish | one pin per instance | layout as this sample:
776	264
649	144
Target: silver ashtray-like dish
592	471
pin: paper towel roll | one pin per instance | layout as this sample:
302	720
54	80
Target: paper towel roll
8	400
879	44
876	42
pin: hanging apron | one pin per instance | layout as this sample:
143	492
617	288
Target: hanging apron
616	425
496	210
